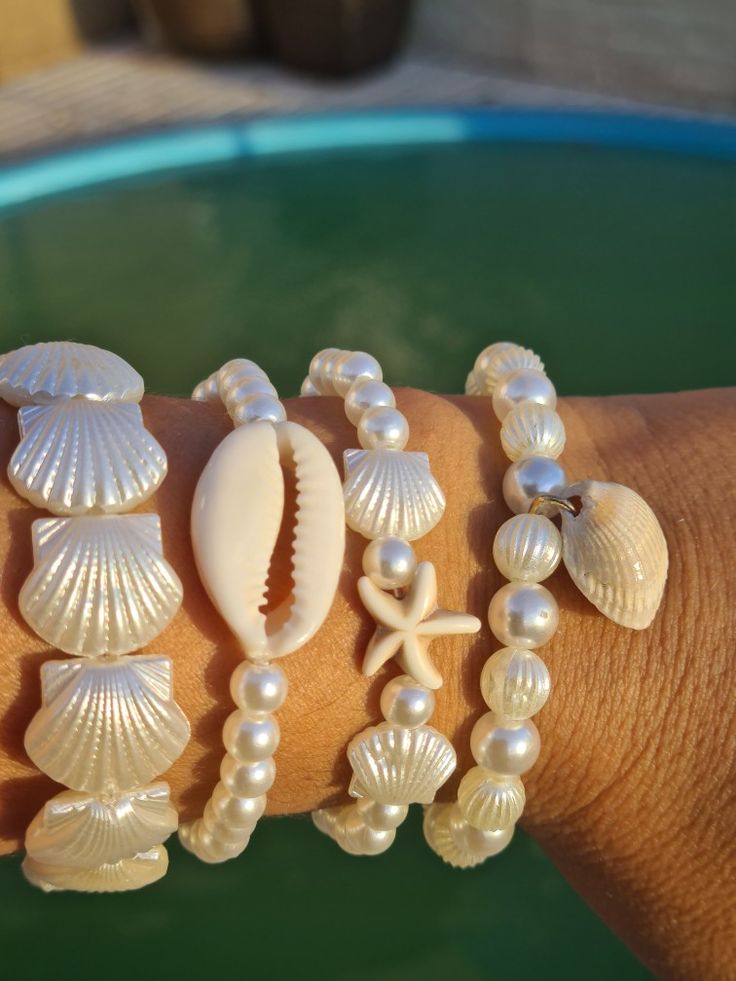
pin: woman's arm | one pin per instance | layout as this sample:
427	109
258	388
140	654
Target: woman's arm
634	795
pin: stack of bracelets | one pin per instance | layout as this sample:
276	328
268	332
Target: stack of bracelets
100	590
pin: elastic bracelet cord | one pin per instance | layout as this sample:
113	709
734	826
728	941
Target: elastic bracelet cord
615	552
392	499
237	512
100	589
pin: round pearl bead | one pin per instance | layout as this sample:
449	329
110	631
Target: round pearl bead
473	840
250	738
515	683
330	368
523	615
527	547
248	779
238	369
239	392
405	702
221	832
383	428
358	364
523	385
506	746
530	477
374	842
232	810
308	387
259	408
258	687
317	369
367	393
381	817
389	562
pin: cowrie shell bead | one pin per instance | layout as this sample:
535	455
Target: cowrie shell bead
389	562
523	615
530	477
527	547
367	393
506	746
515	683
356	365
407	703
258	687
523	385
250	738
383	428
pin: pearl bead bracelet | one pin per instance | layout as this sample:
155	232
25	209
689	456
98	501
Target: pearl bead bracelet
100	589
615	552
391	498
237	512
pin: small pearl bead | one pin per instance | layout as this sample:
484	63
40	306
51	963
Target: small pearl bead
317	367
330	368
527	547
515	682
381	817
374	842
470	839
221	832
367	393
239	392
358	364
530	477
258	687
206	390
405	702
259	408
384	428
523	385
238	370
232	810
248	779
506	746
389	562
250	738
308	388
523	614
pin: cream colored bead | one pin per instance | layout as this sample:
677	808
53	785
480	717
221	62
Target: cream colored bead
472	840
506	359
248	779
383	428
515	683
523	615
389	562
356	365
250	738
530	477
523	385
505	746
239	392
485	361
308	388
531	429
407	703
258	687
527	547
258	408
230	809
381	817
317	368
489	801
367	393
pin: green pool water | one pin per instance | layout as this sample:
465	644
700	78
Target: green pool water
617	266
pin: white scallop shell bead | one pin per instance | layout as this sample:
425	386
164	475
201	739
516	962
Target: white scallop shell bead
364	394
236	517
515	683
99	585
523	614
531	429
505	746
615	552
391	493
521	386
127	874
489	801
82	831
42	373
106	723
506	358
394	765
356	365
77	456
527	547
529	478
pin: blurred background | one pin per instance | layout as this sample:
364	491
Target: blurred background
185	181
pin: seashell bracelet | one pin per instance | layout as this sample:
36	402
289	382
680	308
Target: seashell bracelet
100	589
237	512
615	552
391	498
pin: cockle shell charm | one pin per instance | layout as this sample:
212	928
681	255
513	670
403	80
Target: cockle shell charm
394	765
391	493
615	552
236	516
129	873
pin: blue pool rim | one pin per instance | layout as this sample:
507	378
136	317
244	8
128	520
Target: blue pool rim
207	144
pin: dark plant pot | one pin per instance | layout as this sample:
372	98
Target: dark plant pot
216	28
335	37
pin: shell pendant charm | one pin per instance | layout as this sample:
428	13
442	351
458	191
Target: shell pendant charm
615	552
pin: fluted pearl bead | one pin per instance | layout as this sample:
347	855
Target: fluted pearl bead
381	817
384	428
515	683
232	810
258	687
523	385
317	369
259	408
523	614
250	738
527	547
506	746
530	477
506	359
405	702
485	359
532	430
358	364
389	562
367	393
248	779
308	388
470	839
